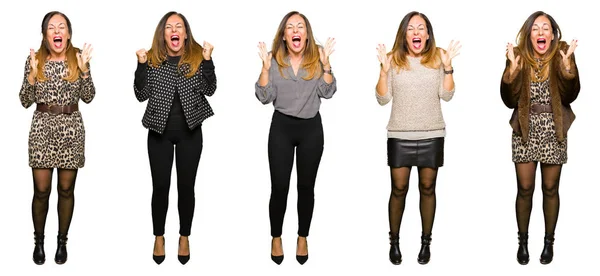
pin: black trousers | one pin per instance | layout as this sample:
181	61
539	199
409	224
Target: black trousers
188	147
306	137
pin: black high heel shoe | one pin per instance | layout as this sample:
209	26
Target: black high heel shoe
39	255
548	251
395	255
183	259
523	252
424	253
61	249
302	258
158	259
276	259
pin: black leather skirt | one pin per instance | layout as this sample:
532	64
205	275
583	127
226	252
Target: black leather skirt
421	153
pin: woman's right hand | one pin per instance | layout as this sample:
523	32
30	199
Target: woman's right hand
142	55
383	57
514	61
264	56
33	62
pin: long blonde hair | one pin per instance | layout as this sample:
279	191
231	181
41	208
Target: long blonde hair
192	52
44	51
310	58
430	55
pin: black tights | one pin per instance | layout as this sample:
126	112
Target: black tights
427	180
526	186
42	184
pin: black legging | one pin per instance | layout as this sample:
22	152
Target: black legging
526	186
306	136
188	147
42	184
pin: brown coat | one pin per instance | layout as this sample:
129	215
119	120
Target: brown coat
564	88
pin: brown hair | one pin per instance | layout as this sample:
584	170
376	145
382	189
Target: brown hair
44	50
310	59
431	57
192	51
524	39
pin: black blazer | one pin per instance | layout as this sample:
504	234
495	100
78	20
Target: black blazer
157	85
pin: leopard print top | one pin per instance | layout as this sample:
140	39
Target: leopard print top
56	141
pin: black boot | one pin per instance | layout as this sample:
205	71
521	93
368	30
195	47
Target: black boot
61	249
395	255
39	255
424	254
523	251
548	251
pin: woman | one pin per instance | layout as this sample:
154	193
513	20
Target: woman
294	76
540	82
415	75
56	77
174	76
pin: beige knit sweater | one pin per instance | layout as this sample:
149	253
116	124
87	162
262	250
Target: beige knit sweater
415	94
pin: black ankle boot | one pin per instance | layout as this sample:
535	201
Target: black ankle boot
39	255
548	251
395	255
523	251
424	254
61	249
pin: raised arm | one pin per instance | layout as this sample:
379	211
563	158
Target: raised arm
27	93
385	79
263	88
140	84
510	86
568	77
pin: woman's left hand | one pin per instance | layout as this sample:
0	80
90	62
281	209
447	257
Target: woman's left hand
207	49
565	57
83	57
450	53
326	51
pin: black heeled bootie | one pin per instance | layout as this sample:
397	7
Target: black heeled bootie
523	251
424	253
39	255
61	249
395	255
548	251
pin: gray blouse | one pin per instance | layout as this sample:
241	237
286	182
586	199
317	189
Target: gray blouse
292	95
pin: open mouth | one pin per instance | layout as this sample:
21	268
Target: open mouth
416	42
541	43
175	40
57	40
296	41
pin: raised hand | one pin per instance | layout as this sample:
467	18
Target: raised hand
565	57
326	51
33	62
383	57
142	55
451	52
264	56
510	54
84	57
207	49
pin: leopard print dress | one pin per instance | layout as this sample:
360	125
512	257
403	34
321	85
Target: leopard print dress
543	146
56	141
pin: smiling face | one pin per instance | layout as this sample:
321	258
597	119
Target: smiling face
175	35
295	34
57	35
416	35
541	36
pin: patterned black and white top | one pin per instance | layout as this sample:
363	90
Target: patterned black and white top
159	85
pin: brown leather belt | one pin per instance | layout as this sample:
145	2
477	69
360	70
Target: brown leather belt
541	108
57	109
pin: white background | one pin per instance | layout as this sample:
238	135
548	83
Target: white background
475	231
